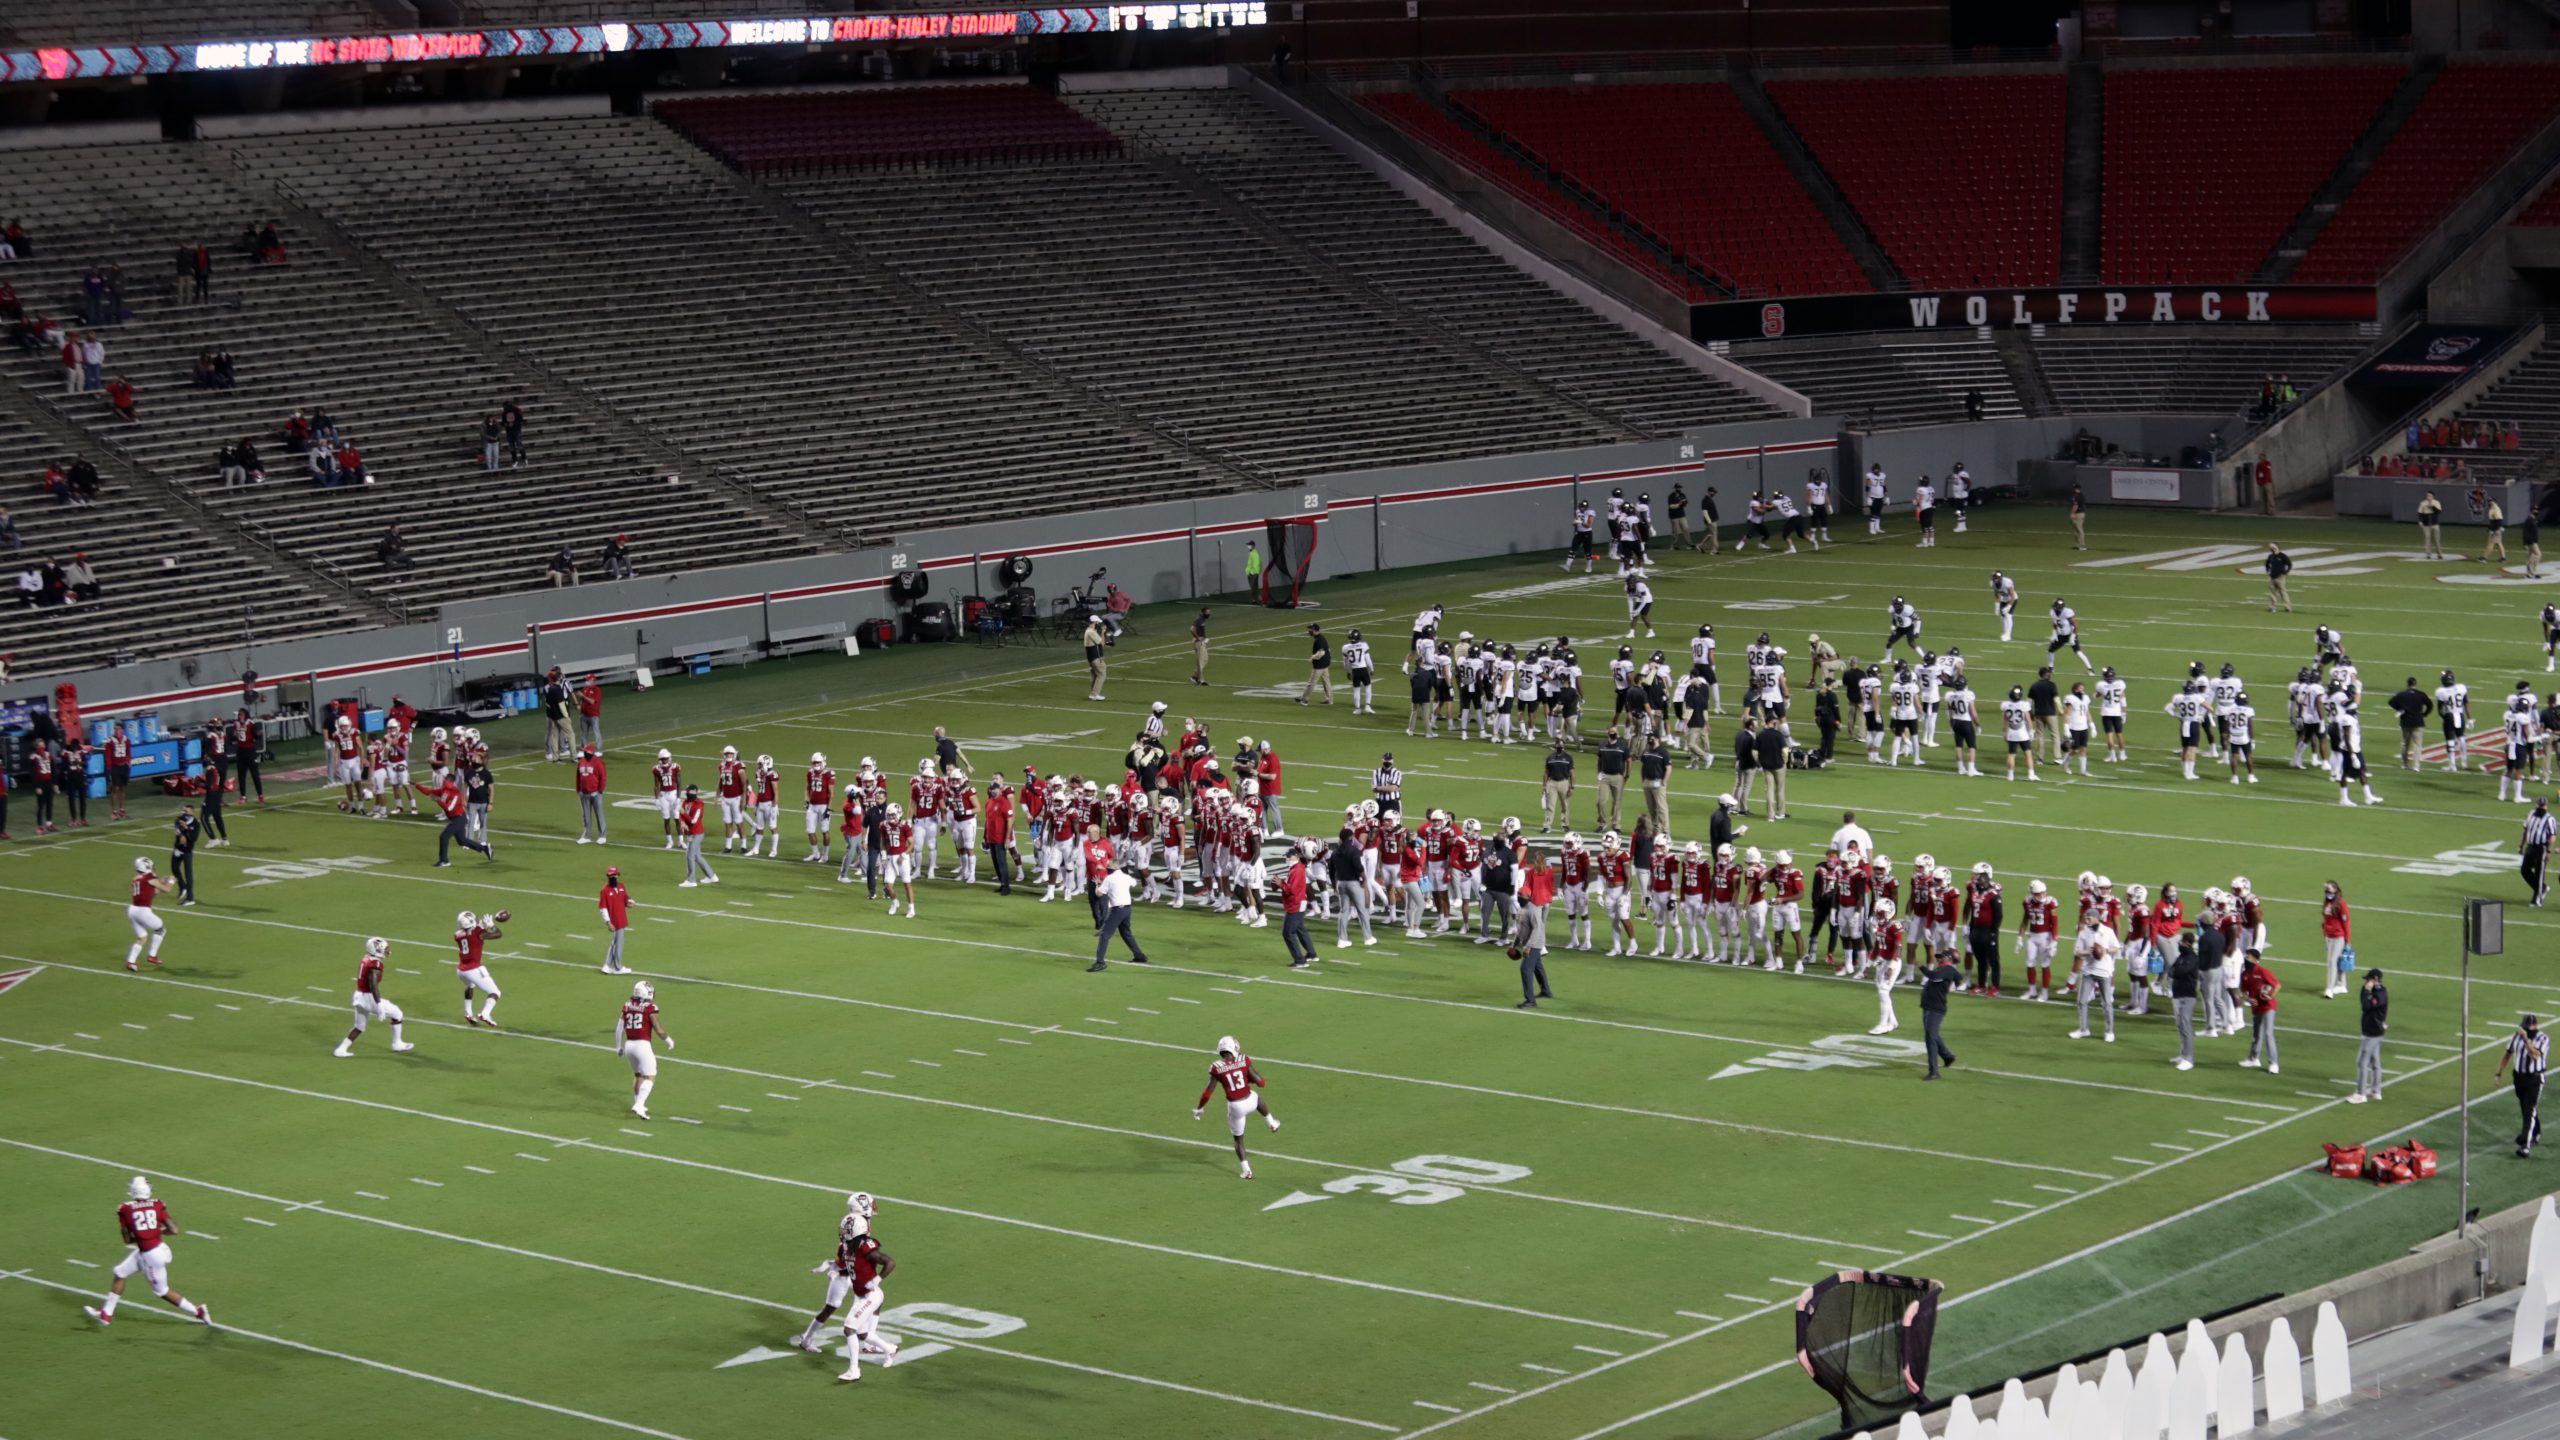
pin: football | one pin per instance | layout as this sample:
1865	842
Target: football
1513	952
503	916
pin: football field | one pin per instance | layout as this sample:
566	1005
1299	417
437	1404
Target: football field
1476	1221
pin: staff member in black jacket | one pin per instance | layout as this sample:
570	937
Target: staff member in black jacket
559	722
1609	763
1495	886
217	740
1653	771
1773	766
2279	565
248	751
1721	831
1826	716
2413	706
2183	978
1350	890
1746	759
2375	1002
1940	977
2529	1055
1319	665
1555	794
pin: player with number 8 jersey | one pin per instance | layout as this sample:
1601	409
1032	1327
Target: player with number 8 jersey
1233	1075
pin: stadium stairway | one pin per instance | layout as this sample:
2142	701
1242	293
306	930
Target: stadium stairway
2351	168
1818	185
2084	170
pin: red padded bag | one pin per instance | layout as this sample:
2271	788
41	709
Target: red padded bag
2346	1161
2421	1159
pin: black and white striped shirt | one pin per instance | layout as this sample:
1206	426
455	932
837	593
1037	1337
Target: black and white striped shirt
2529	1053
2539	828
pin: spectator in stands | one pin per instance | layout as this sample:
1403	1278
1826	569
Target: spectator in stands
247	244
30	588
1973	404
296	432
234	474
200	272
225	374
82	580
8	532
56	588
72	372
93	360
270	245
120	397
2511	438
324	427
10	308
351	470
117	313
14	244
2415	437
1280	54
200	374
563	568
56	483
511	420
490	434
2265	475
391	551
84	483
93	296
323	464
615	558
253	469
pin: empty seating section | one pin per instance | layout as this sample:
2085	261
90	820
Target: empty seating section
1336	207
1882	383
54	22
631	264
2545	209
1687	162
1434	127
2472	118
317	332
887	126
2195	373
1122	277
2207	168
1959	177
166	587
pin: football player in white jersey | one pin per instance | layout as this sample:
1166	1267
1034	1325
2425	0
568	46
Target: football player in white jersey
2453	708
2240	737
2066	633
2018	730
2188	707
2224	688
2111	702
2004	602
1964	720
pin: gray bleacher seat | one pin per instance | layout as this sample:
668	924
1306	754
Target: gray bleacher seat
1890	380
2199	372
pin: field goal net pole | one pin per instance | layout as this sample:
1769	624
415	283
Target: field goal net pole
1292	543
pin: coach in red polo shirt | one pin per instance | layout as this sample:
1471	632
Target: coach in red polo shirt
591	711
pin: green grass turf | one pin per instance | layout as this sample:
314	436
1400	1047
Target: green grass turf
1025	1123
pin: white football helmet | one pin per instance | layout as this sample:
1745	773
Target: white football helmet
895	812
1982	868
1572	841
1926	861
1884	909
2239	884
1786	857
1882	861
728	752
2088	879
141	864
2105	884
666	755
437	733
1227	1045
860	1204
1090	788
1724	852
1695	849
377	947
1943	875
466	920
137	1188
925	768
1611	840
764	762
643	990
2138	894
818	759
1473	826
2035	887
1253	788
1751	855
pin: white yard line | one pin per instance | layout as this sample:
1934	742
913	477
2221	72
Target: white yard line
837	1188
384	1366
254	1220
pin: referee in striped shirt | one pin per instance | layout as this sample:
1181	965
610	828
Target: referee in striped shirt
2535	846
2529	1053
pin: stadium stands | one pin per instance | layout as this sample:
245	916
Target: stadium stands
1427	123
166	587
2545	209
630	263
2527	397
1689	163
2471	119
1889	381
60	22
905	125
2184	372
1959	177
1335	207
1173	304
317	332
2206	168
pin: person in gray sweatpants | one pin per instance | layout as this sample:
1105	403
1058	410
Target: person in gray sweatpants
2184	973
2258	987
1351	889
689	820
2375	1002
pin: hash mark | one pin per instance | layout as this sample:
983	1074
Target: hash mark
574	935
1140	1010
407	971
536	1159
2165	1145
741	1109
2059	1189
83	1034
1596	1350
1098	1020
430	1184
1223	990
1928	1234
928	1064
1181	1000
83	1264
1444	1409
1496	1389
1544	1369
981	1054
1973	1219
684	1120
2209	1134
778	1095
879	1075
2014	1204
254	1220
627	1130
369	1195
1009	1040
218	1005
174	1015
129	1025
479	1170
2129	1160
1694	1315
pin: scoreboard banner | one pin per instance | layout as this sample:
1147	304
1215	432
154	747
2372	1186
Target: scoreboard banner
101	62
2122	305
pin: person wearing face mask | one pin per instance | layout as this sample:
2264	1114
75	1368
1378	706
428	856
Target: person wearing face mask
2375	1001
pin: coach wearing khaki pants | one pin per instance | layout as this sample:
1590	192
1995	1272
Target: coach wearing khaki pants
1095	638
1555	797
1200	647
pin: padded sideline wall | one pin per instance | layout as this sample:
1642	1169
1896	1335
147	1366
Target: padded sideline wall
1383	519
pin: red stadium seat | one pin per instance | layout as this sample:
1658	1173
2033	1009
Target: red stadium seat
2471	119
903	126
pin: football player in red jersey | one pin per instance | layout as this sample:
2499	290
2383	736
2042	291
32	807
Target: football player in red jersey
732	790
1233	1074
960	817
632	1034
470	932
768	811
371	1004
666	778
858	1269
924	817
146	1226
146	922
898	858
819	808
